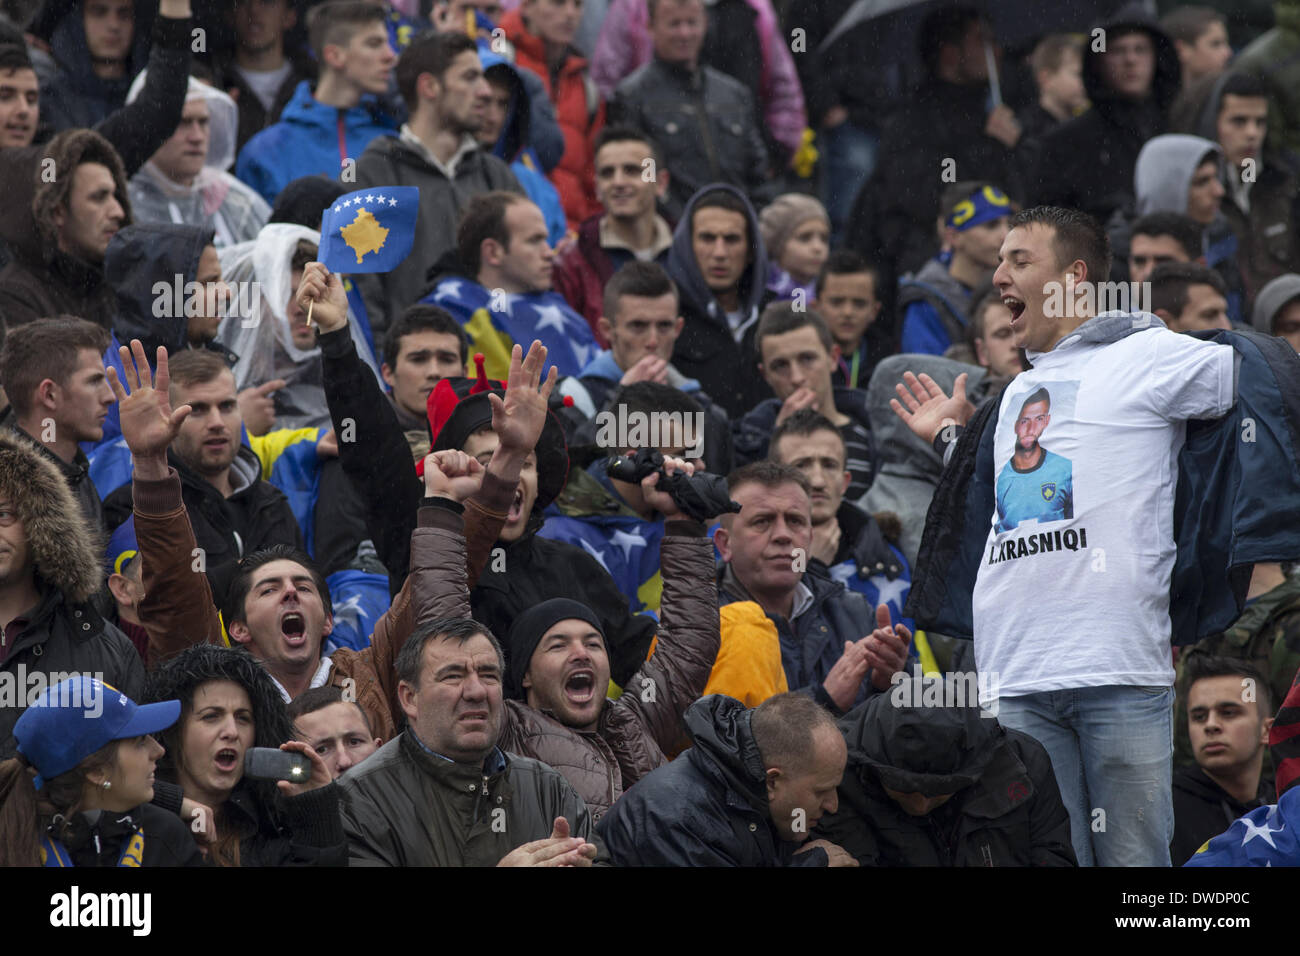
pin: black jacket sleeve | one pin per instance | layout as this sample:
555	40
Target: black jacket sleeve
374	452
139	128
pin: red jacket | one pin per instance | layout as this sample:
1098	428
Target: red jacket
581	114
581	272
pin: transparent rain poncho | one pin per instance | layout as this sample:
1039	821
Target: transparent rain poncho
256	326
216	199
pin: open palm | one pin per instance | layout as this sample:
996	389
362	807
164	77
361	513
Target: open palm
148	421
520	418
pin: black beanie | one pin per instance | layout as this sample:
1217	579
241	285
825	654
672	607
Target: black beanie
526	633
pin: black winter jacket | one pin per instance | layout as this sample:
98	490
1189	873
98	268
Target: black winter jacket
1088	162
167	840
407	807
708	807
305	830
1203	810
1005	808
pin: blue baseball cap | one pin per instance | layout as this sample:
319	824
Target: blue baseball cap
71	720
978	208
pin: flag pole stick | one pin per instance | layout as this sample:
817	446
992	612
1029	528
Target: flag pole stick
309	307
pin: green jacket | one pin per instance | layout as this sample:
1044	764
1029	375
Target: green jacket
1267	633
1275	58
407	807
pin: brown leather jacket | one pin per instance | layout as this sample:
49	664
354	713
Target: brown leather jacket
178	610
635	731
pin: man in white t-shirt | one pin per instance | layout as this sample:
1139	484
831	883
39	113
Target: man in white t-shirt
1071	608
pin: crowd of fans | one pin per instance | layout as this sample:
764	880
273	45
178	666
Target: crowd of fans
774	450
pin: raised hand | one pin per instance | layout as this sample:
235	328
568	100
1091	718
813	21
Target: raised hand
926	409
648	368
325	290
149	424
451	474
320	774
519	418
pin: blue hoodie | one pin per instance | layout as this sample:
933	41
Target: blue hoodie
306	142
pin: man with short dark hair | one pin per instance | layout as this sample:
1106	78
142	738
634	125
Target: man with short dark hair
262	68
441	81
1161	237
629	230
424	346
1102	706
829	647
1228	718
796	358
53	374
848	297
501	291
232	509
443	793
1200	36
746	794
325	127
721	110
1189	297
851	545
989	341
718	263
336	728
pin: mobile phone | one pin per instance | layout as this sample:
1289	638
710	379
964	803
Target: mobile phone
270	763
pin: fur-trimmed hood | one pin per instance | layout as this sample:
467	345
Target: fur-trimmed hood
64	548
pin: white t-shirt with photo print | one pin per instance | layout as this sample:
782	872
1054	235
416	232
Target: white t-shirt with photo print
1080	597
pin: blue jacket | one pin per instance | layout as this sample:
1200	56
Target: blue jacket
305	142
1237	501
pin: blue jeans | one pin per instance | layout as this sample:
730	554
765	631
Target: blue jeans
848	159
1112	751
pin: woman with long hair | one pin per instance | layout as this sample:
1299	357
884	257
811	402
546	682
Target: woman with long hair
228	705
79	791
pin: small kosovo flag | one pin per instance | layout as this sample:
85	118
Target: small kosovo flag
370	230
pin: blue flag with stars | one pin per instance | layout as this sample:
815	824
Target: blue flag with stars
1266	836
370	230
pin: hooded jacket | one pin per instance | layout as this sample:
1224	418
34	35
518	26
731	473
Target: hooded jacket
1271	300
909	468
935	309
1266	230
215	200
393	161
515	146
63	633
636	732
1227	503
310	138
1087	163
708	350
253	116
405	806
578	107
137	259
706	128
73	97
708	807
43	280
1005	807
257	515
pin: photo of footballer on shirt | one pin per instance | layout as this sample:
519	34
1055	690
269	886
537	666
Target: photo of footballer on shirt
1035	484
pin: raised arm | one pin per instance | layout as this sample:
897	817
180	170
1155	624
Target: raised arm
138	129
177	609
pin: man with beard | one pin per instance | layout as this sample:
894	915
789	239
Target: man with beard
1035	484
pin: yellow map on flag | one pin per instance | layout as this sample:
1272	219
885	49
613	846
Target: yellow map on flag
364	234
